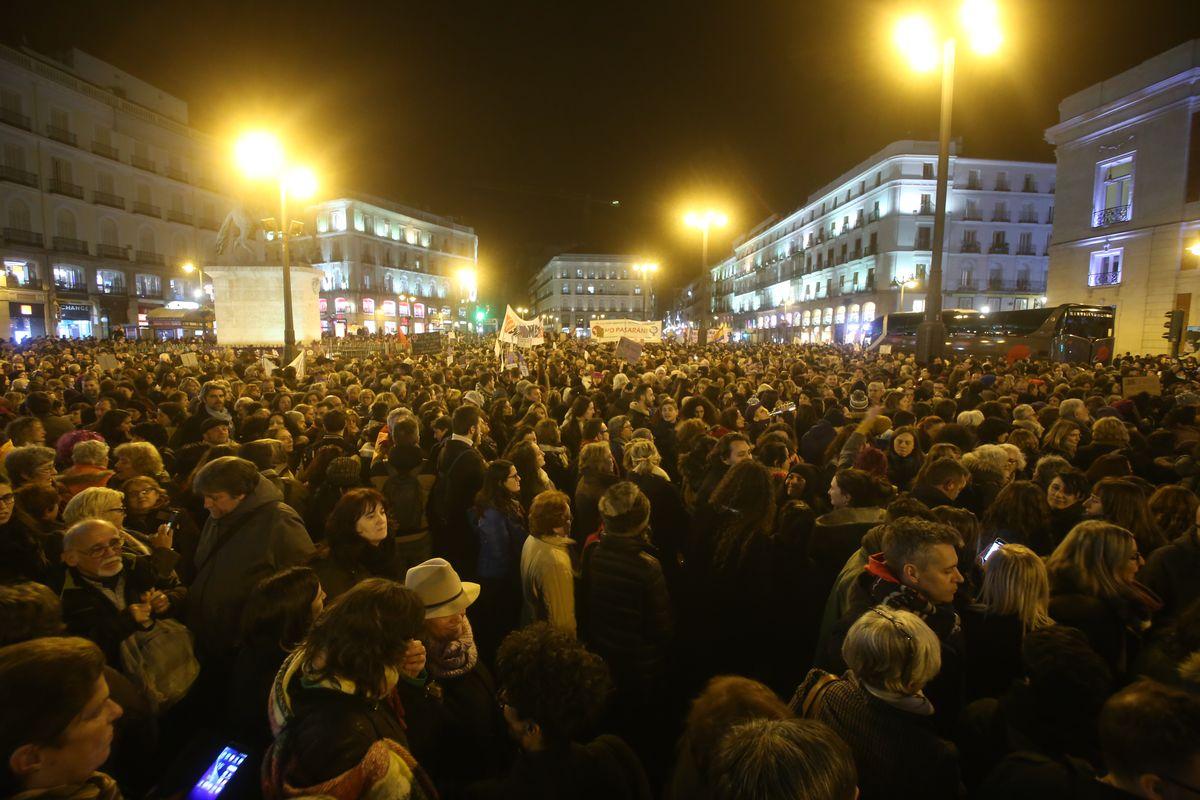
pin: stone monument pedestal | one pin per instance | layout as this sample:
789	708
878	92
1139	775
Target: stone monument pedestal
248	301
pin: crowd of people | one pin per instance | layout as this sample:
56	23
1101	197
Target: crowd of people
718	572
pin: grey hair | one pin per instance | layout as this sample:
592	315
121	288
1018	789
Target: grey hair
1047	467
91	502
85	526
892	649
1110	430
1068	408
989	457
142	455
92	451
781	759
970	419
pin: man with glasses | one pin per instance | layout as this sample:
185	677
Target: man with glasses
108	596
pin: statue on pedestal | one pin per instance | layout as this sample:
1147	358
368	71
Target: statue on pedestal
234	238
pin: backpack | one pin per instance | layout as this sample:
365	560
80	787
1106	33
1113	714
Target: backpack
402	492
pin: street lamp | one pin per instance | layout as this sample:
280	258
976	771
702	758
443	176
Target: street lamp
189	268
646	269
917	38
260	156
705	221
908	284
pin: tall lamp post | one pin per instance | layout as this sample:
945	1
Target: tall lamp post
190	267
646	270
917	38
705	221
260	156
908	284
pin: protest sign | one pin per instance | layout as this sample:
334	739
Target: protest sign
629	350
611	330
427	344
1149	384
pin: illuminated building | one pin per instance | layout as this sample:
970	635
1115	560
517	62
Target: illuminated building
1128	153
573	289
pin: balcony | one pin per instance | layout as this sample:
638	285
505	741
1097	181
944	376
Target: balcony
925	210
65	188
1030	187
976	185
66	244
872	216
176	174
1028	219
1018	286
923	244
1111	216
208	224
182	217
149	292
22	237
70	286
61	135
112	288
15	118
1104	278
141	162
1001	216
150	257
998	249
14	175
110	200
146	209
870	250
106	151
969	247
1002	186
112	251
972	216
1026	251
205	182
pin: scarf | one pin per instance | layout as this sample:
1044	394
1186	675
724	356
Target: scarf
453	658
97	787
886	590
221	415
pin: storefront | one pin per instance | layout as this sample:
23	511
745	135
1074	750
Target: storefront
26	321
179	323
74	320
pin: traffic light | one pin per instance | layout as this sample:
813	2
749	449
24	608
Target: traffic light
1173	326
479	315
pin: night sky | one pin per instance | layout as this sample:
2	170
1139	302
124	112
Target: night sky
525	119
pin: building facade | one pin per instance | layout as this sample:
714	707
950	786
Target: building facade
389	269
573	289
861	247
1128	152
105	192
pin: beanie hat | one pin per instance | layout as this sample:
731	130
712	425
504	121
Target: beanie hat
859	401
625	509
344	471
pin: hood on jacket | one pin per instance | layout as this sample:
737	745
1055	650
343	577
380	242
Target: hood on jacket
263	493
852	516
878	568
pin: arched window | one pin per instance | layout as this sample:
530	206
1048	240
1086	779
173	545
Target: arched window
840	315
18	215
868	312
64	224
146	241
108	232
854	313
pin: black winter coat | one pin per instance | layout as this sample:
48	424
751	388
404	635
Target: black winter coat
993	651
629	611
1113	628
604	769
669	522
338	573
1171	571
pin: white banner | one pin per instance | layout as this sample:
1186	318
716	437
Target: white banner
611	330
520	332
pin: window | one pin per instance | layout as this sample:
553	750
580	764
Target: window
1105	268
924	238
1025	244
104	182
967	276
926	204
1002	181
566	288
368	305
1000	212
337	219
927	171
1114	192
14	156
148	285
974	179
591	288
360	222
972	211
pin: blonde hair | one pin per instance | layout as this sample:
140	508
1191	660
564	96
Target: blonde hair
1056	437
1110	430
143	456
970	419
1090	557
641	457
1015	582
892	649
91	502
597	457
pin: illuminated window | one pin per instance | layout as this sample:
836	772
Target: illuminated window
1114	192
360	223
337	219
1105	267
368	305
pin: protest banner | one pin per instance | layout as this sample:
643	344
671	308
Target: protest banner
1149	384
427	344
611	330
520	332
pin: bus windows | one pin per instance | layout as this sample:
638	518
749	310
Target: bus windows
1088	324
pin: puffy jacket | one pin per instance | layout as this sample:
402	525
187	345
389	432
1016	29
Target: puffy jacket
629	611
258	538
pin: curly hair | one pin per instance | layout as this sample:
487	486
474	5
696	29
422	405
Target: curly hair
727	700
363	635
550	510
1020	510
549	677
747	492
1173	508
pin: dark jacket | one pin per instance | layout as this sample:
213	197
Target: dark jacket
669	521
629	612
816	441
258	538
902	471
591	487
981	492
993	651
837	534
897	752
340	572
1033	776
254	669
668	447
604	769
460	470
22	555
89	612
1062	520
934	497
189	431
1171	573
1112	627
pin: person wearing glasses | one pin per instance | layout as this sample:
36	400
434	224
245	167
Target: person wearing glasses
30	464
107	595
879	707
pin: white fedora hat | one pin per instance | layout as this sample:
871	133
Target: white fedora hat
439	587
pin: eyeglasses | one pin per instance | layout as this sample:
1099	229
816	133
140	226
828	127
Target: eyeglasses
111	546
910	647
